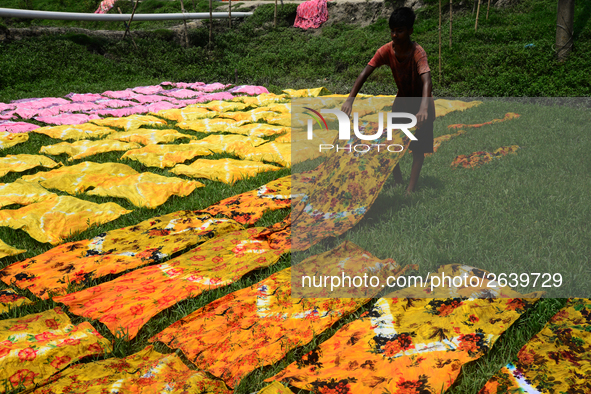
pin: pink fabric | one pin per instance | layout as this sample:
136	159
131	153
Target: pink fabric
182	93
311	14
152	98
4	107
66	119
105	6
219	96
27	113
115	103
161	106
7	115
17	127
117	113
148	89
84	97
183	85
41	103
249	89
212	87
121	94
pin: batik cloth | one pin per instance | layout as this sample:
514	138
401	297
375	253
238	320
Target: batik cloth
11	299
508	116
218	143
443	107
84	148
8	140
7	250
36	346
259	129
477	159
314	92
20	163
114	251
150	136
131	122
214	125
262	100
311	14
275	388
274	152
163	156
22	193
125	304
556	360
189	113
228	171
75	132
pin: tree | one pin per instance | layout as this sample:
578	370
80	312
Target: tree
564	28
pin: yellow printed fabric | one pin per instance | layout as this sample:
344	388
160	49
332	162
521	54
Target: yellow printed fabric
443	107
7	250
114	251
75	132
20	163
131	122
223	143
215	125
128	302
22	193
259	129
275	388
262	100
145	190
77	178
8	140
223	170
144	372
58	218
80	149
34	347
409	345
163	156
150	136
10	299
556	360
224	106
315	92
274	152
190	112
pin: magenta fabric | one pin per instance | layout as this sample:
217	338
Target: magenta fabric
66	119
148	89
311	14
249	89
17	127
183	85
105	6
84	97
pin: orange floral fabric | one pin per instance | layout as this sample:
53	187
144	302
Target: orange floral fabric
20	163
8	140
125	304
145	372
36	346
508	116
477	159
11	299
114	251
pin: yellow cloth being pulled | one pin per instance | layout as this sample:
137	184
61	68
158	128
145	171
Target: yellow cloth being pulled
20	163
145	190
75	132
58	218
275	152
150	136
163	156
224	170
131	122
11	139
22	193
7	250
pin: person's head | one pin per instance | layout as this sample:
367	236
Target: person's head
401	24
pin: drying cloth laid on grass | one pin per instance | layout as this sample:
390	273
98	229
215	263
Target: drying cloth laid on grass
189	113
34	347
20	163
409	345
7	250
477	159
259	130
253	327
10	299
58	218
77	132
262	100
218	143
145	372
214	125
79	177
248	89
281	120
314	92
253	116
114	251
66	119
153	89
150	136
84	148
556	360
311	14
248	207
145	190
22	193
163	156
274	152
8	140
16	127
275	388
224	106
130	123
82	97
443	107
125	304
508	116
223	170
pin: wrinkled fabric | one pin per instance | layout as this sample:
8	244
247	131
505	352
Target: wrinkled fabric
121	94
114	251
223	170
150	136
249	207
7	250
144	372
37	103
75	132
262	99
82	97
254	115
66	119
105	6
58	218
443	107
80	177
125	304
248	89
84	148
224	106
279	120
508	116
9	298
311	14
259	130
16	127
8	140
477	159
274	152
114	103
275	388
315	92
36	346
214	125
145	190
22	193
152	98
163	156
20	163
409	345
212	87
181	93
132	122
189	113
218	143
148	89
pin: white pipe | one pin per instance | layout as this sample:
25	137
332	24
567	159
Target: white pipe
78	16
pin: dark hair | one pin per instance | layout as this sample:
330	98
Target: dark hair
402	17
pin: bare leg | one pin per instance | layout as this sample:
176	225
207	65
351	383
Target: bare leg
417	164
397	175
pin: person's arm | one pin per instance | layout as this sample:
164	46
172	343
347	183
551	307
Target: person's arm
424	109
348	105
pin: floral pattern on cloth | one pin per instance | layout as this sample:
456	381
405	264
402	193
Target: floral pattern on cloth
55	219
36	346
146	190
253	327
128	302
477	159
75	132
150	136
7	250
275	388
274	152
20	163
114	251
228	171
409	345
556	360
508	116
11	299
8	140
22	193
132	122
249	207
84	148
311	14
144	372
163	156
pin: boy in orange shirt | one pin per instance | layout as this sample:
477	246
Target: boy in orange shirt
412	75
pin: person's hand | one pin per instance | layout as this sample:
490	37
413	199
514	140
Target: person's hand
421	117
348	106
